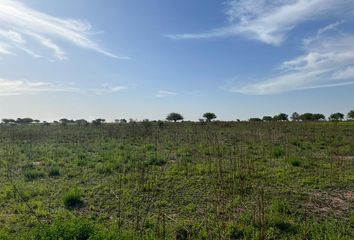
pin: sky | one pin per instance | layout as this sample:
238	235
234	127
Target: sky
138	59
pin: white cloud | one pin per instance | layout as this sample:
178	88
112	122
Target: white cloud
57	51
4	49
347	73
330	27
12	36
19	23
328	62
269	21
107	88
164	93
20	87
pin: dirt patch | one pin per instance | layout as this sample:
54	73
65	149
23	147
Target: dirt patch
336	202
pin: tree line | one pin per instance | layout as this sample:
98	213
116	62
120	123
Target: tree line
305	117
206	117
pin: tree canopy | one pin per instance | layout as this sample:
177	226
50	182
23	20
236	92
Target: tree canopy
336	116
350	115
174	117
209	116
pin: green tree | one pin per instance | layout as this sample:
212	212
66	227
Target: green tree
281	117
24	120
209	116
98	121
174	117
318	117
6	120
350	115
312	117
295	116
255	120
267	119
336	116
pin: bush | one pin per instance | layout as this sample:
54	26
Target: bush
278	152
72	199
79	229
32	174
295	162
53	172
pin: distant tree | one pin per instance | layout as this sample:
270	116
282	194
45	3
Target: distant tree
209	116
255	120
7	120
81	122
98	121
36	121
64	121
295	116
24	120
336	116
281	117
174	117
350	115
267	118
312	117
306	117
318	117
121	120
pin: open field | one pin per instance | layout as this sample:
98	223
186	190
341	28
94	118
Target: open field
276	180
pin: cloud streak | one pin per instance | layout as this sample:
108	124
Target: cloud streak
19	24
328	61
10	87
21	87
269	21
164	93
107	88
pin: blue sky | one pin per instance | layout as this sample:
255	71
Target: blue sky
143	59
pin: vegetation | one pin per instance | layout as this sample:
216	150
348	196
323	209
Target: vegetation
209	116
174	117
159	180
72	199
336	117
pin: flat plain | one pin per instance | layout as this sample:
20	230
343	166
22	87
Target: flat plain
158	180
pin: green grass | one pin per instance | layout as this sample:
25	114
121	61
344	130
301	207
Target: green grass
261	180
72	199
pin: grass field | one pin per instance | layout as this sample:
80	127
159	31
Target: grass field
276	180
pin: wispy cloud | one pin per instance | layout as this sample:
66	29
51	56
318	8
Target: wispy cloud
107	88
269	21
164	93
20	23
20	87
5	49
328	61
9	87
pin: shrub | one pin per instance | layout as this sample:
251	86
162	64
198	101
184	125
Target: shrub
278	152
295	162
53	172
72	199
32	174
236	232
79	229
